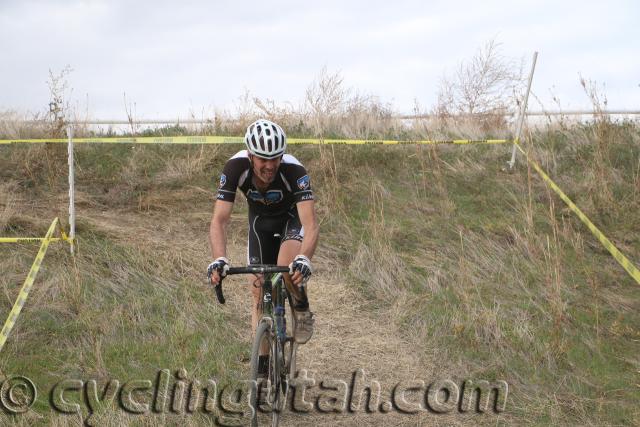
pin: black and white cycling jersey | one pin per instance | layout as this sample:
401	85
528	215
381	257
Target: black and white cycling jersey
273	216
291	185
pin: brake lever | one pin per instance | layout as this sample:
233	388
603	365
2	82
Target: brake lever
219	293
218	289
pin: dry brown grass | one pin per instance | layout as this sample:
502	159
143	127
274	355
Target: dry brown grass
373	317
457	271
7	203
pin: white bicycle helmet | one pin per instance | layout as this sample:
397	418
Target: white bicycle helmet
265	139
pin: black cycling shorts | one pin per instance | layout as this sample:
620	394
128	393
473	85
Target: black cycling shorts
266	233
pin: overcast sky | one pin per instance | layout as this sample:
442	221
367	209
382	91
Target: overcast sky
174	57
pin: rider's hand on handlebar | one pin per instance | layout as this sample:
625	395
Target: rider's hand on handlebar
217	270
300	270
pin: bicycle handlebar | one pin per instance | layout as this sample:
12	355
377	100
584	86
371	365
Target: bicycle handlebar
258	268
249	269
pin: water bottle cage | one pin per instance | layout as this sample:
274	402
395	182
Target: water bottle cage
267	291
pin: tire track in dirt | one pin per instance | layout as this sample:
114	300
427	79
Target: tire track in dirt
349	336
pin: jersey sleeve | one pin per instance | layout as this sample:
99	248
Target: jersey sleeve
300	183
229	179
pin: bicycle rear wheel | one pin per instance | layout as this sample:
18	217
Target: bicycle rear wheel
267	399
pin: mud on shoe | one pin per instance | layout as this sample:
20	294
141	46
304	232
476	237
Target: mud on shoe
304	326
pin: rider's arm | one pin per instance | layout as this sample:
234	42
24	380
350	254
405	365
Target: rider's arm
218	228
309	221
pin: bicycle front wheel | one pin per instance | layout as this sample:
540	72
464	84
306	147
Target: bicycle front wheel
267	395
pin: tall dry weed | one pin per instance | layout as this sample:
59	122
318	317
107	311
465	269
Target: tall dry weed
187	166
325	98
636	183
385	279
528	211
483	89
603	135
431	166
7	203
554	281
131	112
59	105
19	125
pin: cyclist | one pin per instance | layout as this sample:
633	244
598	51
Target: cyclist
283	228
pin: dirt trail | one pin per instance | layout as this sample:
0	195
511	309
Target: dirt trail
348	336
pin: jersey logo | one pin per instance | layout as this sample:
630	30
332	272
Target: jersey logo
304	182
270	197
223	180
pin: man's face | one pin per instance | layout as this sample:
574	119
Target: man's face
265	169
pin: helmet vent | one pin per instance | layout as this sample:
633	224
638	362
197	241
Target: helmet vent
265	139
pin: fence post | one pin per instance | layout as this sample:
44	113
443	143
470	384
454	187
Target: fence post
523	112
72	205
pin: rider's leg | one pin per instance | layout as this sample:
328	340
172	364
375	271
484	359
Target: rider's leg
256	308
262	249
304	318
288	251
254	256
255	284
292	237
259	251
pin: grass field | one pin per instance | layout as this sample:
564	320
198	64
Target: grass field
435	261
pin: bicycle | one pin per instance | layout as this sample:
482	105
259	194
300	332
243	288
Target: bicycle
271	332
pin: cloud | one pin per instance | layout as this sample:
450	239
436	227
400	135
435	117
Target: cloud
169	58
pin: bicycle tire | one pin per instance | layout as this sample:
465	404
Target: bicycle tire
291	348
264	332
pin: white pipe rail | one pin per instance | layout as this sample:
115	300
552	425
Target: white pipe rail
401	116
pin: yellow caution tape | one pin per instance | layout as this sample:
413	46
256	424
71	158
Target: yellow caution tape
240	140
63	237
28	239
394	142
619	256
26	287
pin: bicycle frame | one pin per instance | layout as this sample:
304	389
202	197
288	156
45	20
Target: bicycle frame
273	304
273	313
273	324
